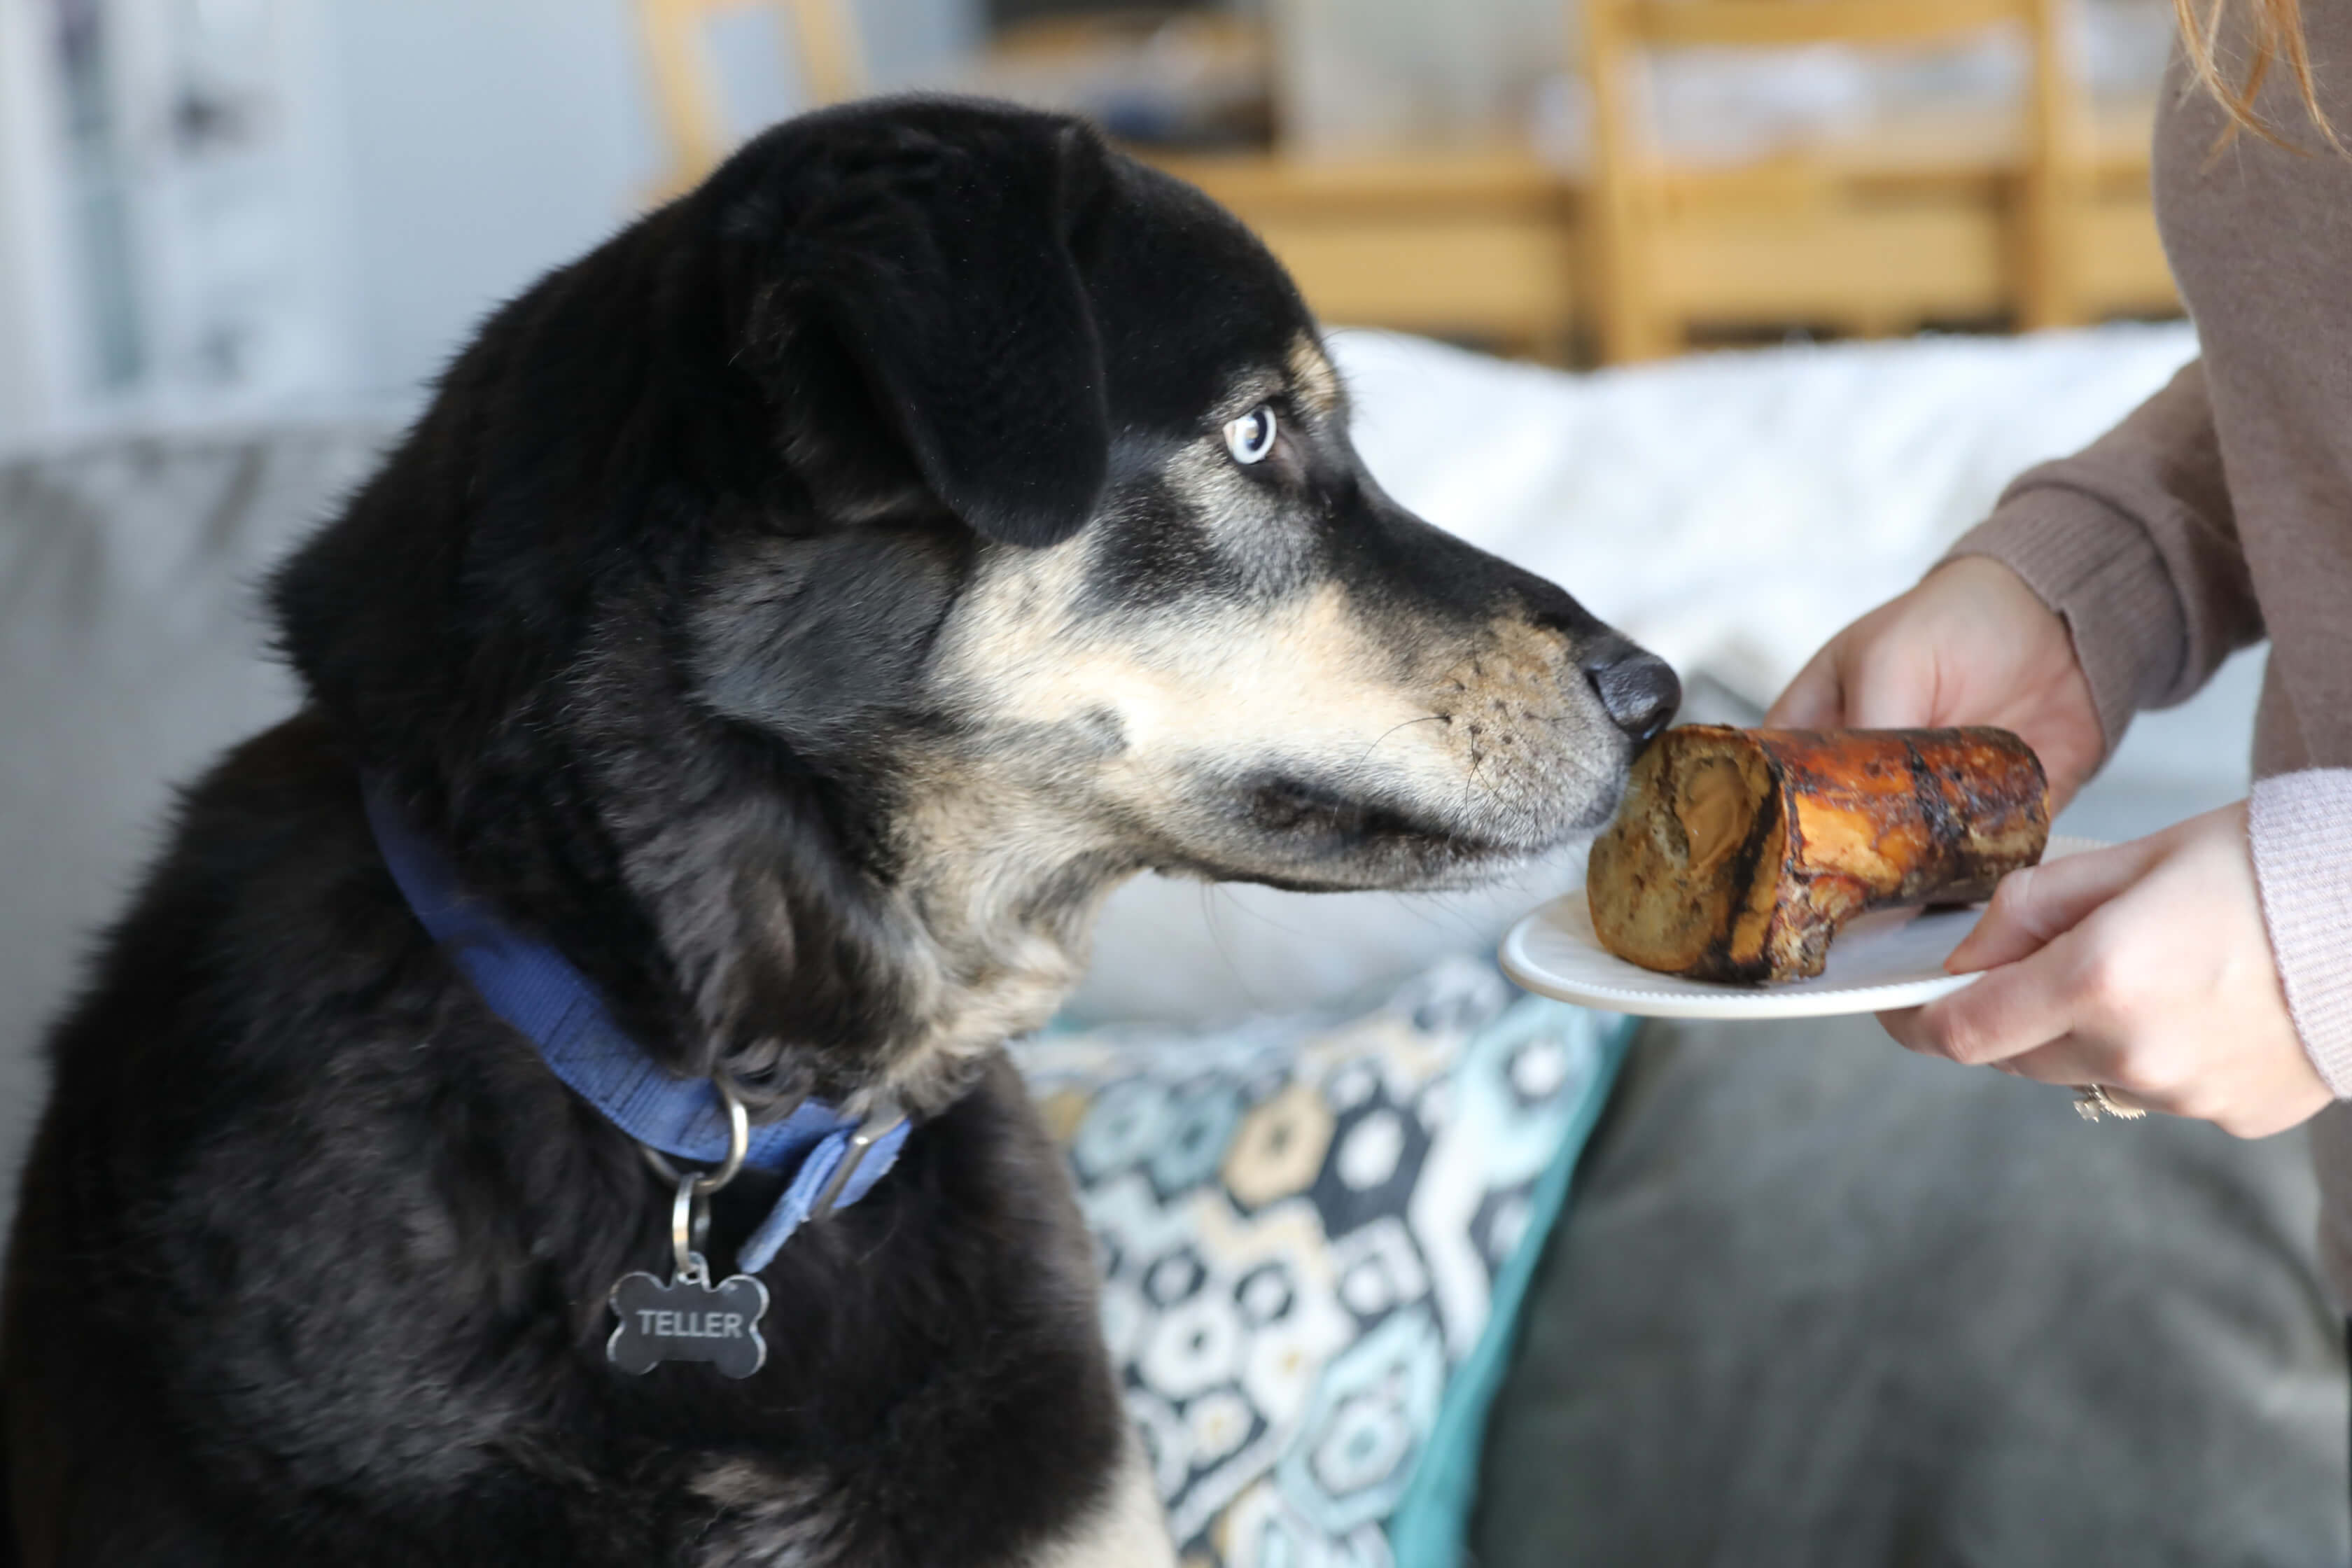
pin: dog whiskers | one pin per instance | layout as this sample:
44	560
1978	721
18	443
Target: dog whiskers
1409	723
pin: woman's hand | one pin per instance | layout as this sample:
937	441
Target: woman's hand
1971	645
2147	968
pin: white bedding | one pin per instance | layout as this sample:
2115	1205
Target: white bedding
1728	510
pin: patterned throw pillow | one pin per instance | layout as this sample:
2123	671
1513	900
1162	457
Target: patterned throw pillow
1315	1237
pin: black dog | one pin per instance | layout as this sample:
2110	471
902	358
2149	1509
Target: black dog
797	613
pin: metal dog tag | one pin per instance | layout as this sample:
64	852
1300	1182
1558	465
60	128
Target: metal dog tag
689	1319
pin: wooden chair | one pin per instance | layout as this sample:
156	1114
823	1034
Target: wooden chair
686	90
1477	244
1789	239
1986	217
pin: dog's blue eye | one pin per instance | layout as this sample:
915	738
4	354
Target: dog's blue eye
1250	438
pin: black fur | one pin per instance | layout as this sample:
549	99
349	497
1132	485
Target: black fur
640	621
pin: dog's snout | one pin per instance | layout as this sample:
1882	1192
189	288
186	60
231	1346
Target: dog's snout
1638	689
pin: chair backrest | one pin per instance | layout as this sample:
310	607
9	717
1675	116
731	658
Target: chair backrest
1627	181
1771	24
686	88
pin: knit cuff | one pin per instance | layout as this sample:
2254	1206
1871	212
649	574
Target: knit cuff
2100	571
2300	825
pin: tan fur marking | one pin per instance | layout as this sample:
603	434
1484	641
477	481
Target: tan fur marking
1303	681
1245	521
1127	1532
1299	679
1312	377
771	1520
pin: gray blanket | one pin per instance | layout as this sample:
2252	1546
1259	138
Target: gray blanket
1823	1304
131	653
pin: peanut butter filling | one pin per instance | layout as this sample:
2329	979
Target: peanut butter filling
1714	811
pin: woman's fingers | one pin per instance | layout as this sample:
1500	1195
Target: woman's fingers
2146	969
2033	906
1894	688
1858	683
2067	1059
2014	1009
1815	699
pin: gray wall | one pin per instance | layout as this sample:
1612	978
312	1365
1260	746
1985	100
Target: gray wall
490	140
452	150
34	346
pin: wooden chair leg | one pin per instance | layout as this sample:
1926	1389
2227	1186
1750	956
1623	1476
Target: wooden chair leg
2055	177
1631	326
831	60
684	96
686	93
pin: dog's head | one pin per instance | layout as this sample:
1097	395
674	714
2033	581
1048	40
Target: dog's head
806	607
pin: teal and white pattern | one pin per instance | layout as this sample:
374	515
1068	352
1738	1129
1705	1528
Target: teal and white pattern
1302	1226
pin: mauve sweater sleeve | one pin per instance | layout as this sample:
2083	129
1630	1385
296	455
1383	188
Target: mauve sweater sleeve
2301	825
2132	540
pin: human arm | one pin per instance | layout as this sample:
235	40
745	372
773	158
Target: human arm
2133	543
2114	581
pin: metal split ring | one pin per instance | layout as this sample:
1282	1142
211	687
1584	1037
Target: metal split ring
738	1145
689	1232
2093	1101
689	1212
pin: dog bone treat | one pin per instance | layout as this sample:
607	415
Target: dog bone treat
1738	854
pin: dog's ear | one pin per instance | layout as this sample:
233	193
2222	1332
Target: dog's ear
940	257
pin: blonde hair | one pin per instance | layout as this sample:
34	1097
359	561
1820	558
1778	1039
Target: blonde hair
2277	30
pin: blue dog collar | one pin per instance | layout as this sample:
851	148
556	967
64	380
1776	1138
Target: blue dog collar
534	988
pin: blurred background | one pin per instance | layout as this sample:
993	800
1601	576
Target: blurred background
1873	1309
231	206
239	237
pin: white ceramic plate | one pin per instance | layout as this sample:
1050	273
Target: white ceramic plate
1892	959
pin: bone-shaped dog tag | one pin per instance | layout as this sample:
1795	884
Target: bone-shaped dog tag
689	1320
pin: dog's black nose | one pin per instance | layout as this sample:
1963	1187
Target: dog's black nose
1639	690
